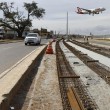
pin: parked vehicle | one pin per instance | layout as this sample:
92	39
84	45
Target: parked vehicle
32	38
1	35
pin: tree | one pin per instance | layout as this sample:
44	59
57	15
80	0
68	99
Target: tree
15	19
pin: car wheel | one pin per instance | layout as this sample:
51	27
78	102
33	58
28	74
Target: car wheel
39	42
25	43
36	44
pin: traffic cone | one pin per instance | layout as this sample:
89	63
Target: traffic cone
49	49
50	43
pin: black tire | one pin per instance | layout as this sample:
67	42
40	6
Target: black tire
39	42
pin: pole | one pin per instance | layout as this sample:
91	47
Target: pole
67	27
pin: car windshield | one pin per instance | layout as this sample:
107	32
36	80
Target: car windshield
32	35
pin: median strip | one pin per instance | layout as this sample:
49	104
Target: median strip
11	79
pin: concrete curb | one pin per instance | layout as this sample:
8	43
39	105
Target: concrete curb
11	80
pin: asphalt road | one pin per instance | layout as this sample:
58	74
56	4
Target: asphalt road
11	53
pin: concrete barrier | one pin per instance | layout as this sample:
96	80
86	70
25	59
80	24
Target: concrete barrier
11	80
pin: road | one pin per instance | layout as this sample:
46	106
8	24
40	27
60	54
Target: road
95	41
11	53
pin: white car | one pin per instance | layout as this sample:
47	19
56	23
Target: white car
32	38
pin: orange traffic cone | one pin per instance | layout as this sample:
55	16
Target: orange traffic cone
49	49
50	43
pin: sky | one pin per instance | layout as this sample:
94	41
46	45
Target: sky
55	17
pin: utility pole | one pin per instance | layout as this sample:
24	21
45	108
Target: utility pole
67	27
55	33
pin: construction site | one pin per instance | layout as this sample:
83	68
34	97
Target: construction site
60	75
